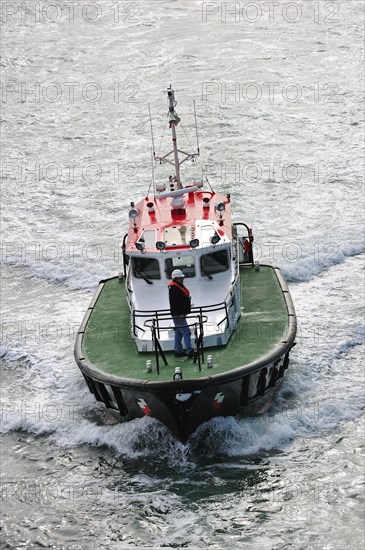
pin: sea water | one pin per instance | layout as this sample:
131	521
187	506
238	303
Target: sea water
278	96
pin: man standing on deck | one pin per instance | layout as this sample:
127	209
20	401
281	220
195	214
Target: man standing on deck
180	307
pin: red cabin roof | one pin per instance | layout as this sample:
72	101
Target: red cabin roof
177	219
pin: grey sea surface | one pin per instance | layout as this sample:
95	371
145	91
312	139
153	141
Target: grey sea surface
278	89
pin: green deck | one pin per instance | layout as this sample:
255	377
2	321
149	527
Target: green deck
108	347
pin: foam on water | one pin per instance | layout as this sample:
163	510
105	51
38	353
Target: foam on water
357	338
308	267
15	355
76	276
146	438
303	415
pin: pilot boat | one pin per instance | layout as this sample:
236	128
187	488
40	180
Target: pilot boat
242	320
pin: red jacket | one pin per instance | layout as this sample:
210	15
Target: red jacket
180	301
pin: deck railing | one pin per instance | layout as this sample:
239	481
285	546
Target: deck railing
198	330
164	315
160	320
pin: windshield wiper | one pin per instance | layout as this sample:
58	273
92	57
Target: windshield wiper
144	277
207	274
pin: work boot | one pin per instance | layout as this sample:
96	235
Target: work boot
180	354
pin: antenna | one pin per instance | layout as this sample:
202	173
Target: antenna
153	174
153	143
196	129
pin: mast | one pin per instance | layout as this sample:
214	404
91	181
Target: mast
174	121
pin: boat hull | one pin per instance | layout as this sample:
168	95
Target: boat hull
183	405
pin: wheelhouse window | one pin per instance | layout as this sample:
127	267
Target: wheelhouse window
146	268
215	262
185	263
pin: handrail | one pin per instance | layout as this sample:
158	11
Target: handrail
158	348
150	322
198	334
125	256
199	339
193	309
250	240
165	315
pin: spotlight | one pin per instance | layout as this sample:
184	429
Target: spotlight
215	239
194	243
160	245
133	214
220	207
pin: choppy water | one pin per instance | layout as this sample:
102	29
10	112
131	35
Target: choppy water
279	102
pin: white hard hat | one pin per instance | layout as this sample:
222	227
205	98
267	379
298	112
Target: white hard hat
177	273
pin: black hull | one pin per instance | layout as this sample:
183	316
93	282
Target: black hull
183	405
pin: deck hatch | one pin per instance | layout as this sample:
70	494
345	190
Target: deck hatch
178	235
207	231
